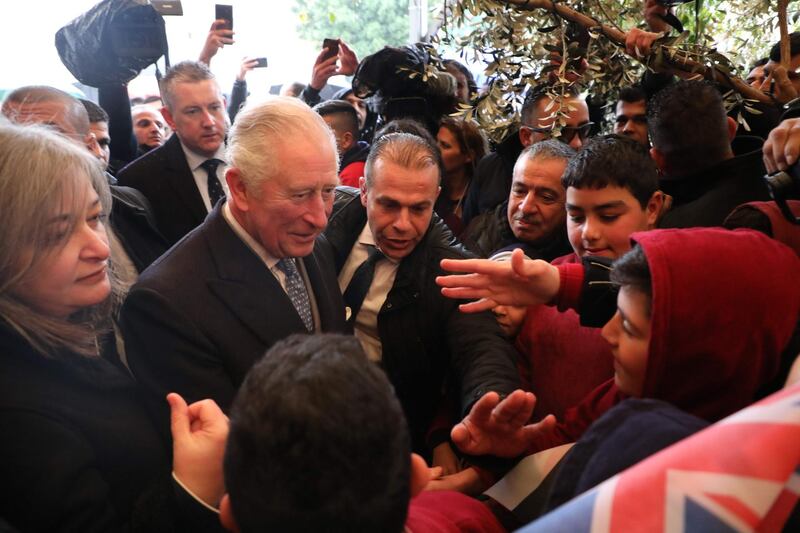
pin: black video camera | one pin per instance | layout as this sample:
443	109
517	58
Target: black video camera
785	185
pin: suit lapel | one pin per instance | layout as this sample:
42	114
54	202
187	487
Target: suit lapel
329	298
180	178
245	285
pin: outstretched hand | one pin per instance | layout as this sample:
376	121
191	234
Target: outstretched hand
500	428
199	433
638	43
520	282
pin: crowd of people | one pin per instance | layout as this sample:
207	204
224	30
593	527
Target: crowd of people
226	312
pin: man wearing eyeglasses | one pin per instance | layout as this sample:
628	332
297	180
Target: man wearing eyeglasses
539	116
539	120
631	115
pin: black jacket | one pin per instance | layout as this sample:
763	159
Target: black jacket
357	153
208	309
705	198
490	233
165	179
135	227
424	336
80	452
492	181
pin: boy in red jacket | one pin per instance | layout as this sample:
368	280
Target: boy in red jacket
611	192
702	318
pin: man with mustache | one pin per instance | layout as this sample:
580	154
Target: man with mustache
533	218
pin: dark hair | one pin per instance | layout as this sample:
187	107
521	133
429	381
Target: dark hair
471	85
632	94
794	47
344	109
613	160
759	63
317	442
405	125
688	125
96	113
632	271
409	125
538	93
404	149
469	137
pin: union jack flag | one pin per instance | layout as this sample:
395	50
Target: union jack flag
741	474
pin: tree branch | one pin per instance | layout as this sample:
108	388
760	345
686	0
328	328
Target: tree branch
680	62
786	54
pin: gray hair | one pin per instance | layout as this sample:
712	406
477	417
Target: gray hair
183	72
546	150
403	149
74	111
260	130
40	172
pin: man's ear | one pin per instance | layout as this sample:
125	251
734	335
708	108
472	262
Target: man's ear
420	474
91	143
655	209
239	197
226	515
362	184
732	127
658	159
525	136
347	141
168	117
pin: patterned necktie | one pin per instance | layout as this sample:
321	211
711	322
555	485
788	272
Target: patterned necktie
296	290
215	190
359	284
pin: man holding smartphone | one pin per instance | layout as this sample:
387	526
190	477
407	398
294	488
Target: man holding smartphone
326	66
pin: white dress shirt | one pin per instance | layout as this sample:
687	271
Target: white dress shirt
196	161
366	324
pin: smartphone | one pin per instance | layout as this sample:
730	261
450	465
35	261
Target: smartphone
224	12
261	62
333	47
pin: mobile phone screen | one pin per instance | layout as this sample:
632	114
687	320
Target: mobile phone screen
225	12
333	47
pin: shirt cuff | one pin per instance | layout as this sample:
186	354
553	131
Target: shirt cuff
193	495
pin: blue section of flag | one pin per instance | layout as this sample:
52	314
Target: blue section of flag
572	517
698	519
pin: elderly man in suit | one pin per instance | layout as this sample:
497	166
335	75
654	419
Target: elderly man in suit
254	272
184	178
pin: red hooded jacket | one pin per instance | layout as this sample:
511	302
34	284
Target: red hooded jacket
724	306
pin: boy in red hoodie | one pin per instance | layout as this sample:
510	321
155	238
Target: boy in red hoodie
702	318
612	191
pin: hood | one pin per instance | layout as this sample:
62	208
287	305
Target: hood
342	93
724	306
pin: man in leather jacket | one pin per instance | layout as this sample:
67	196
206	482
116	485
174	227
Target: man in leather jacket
387	247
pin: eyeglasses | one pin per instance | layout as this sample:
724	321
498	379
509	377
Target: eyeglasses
567	132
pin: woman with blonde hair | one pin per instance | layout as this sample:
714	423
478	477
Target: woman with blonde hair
79	451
